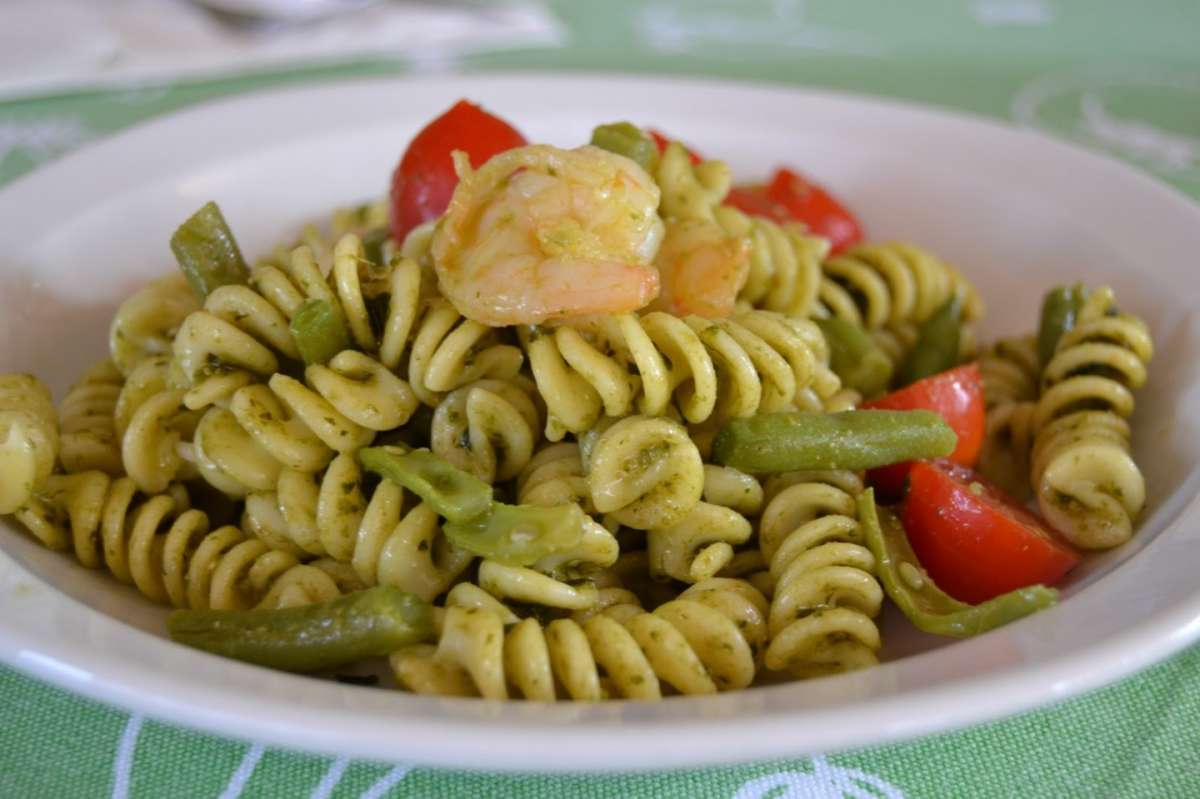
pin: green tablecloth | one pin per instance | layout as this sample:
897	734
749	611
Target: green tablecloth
1122	77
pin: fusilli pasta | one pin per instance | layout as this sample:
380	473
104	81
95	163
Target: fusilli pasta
1087	484
28	438
165	548
826	594
704	641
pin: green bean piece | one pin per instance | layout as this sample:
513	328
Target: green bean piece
1060	308
364	624
937	344
863	439
627	139
855	357
319	330
453	493
207	252
926	605
518	535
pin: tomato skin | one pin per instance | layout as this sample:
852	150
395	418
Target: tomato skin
753	200
955	395
661	140
425	178
811	204
975	541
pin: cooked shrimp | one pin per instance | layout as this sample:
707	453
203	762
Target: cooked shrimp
539	234
702	269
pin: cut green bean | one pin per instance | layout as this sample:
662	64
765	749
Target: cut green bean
937	347
855	357
518	535
319	330
627	139
927	606
207	252
313	637
1060	307
863	439
453	493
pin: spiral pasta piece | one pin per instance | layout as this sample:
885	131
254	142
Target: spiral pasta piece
87	417
890	289
555	476
235	339
28	438
756	362
380	302
285	423
488	428
338	408
388	539
878	285
646	472
1088	486
146	323
785	263
151	376
1010	373
702	543
690	191
156	444
704	641
826	595
449	351
165	549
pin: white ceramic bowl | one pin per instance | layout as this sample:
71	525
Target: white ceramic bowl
1016	211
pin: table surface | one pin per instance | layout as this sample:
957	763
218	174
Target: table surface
1121	77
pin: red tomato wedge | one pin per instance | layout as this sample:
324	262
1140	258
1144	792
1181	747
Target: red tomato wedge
975	541
809	203
661	140
425	178
955	395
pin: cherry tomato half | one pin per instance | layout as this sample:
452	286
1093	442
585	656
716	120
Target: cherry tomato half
815	207
955	395
975	541
425	178
753	200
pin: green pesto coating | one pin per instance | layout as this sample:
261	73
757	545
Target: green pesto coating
627	139
927	606
937	345
1060	308
364	624
855	357
518	535
320	331
453	493
207	252
863	439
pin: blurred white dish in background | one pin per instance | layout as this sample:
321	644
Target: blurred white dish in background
1016	211
55	45
285	10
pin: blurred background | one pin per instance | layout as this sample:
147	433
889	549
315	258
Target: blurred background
1118	76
